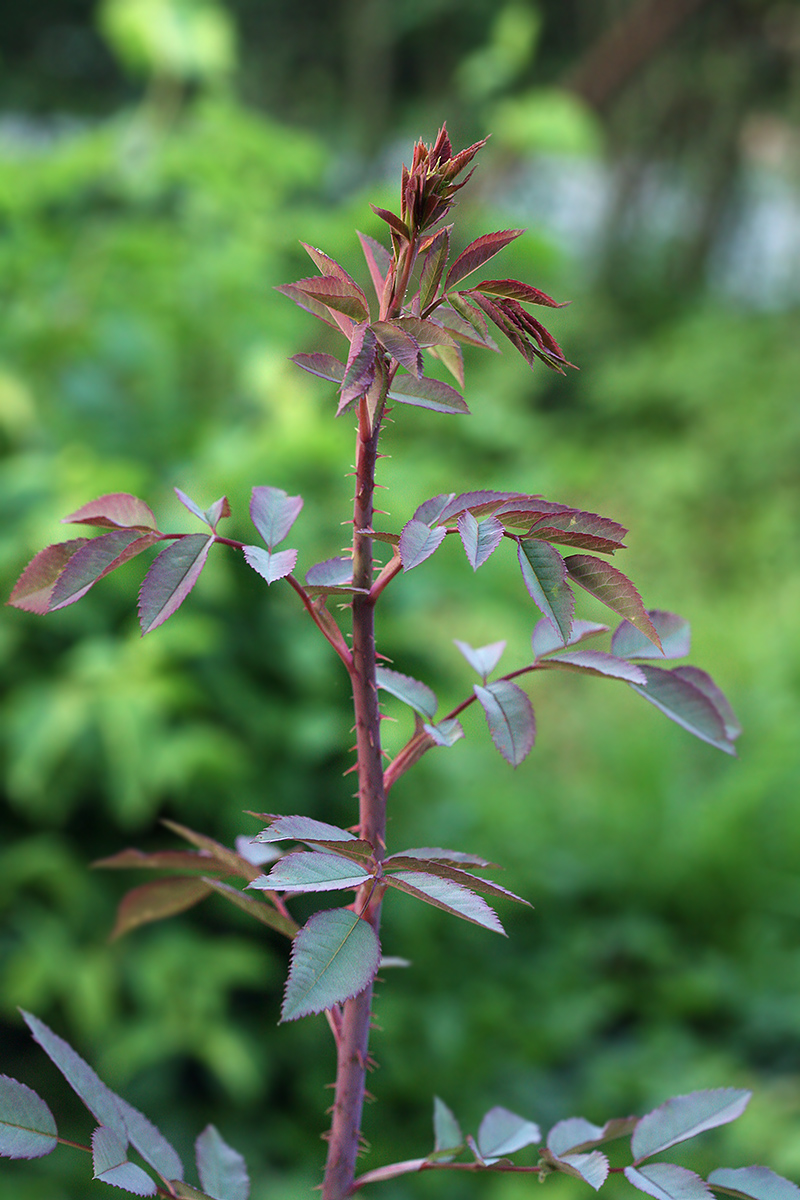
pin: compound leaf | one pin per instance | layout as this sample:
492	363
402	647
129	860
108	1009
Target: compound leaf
413	693
273	513
111	1165
341	295
27	1126
593	1168
400	344
685	1117
448	1140
665	1181
480	538
301	829
484	659
446	871
705	684
509	714
118	510
572	1133
614	589
596	662
418	542
686	704
222	1170
312	871
545	572
515	290
334	957
446	894
171	577
756	1183
97	558
270	565
34	589
446	732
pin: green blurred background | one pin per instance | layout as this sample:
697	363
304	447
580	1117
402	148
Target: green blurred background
159	162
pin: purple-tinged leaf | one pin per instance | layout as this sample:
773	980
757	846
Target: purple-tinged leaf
673	632
167	860
273	513
27	1126
586	530
484	659
445	871
334	957
427	393
171	578
333	572
471	314
426	333
183	1191
480	504
459	326
111	1165
509	714
270	566
337	321
596	662
449	896
753	1183
340	295
34	589
323	365
665	1181
378	260
157	900
430	511
591	1168
217	511
446	733
684	1117
255	855
572	1134
301	829
187	502
453	359
448	1140
418	542
480	538
545	575
108	1108
237	865
433	266
477	253
413	693
262	911
327	265
686	704
312	871
614	589
96	559
222	1170
400	344
546	638
118	510
360	368
439	854
393	221
502	1132
517	291
705	684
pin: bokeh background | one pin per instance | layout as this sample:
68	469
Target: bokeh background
159	162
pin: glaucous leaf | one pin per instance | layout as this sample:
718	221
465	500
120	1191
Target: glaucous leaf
477	253
333	572
544	573
596	662
187	502
705	684
546	638
685	1117
418	542
573	1132
614	589
398	342
34	589
448	1140
427	393
456	874
665	1181
157	900
312	871
334	957
502	1132
480	538
273	513
185	1192
446	733
484	659
271	565
301	829
323	365
171	578
111	1165
447	895
222	1170
117	510
27	1126
673	631
756	1183
413	693
509	714
217	511
686	705
593	1168
439	854
96	559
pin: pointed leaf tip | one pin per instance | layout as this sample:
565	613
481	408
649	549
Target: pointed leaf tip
684	1117
334	957
222	1170
27	1126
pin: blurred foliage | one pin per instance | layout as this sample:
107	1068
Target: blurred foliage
142	347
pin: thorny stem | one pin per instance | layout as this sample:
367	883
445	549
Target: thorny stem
352	1041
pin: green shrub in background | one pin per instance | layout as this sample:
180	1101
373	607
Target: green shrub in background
136	271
